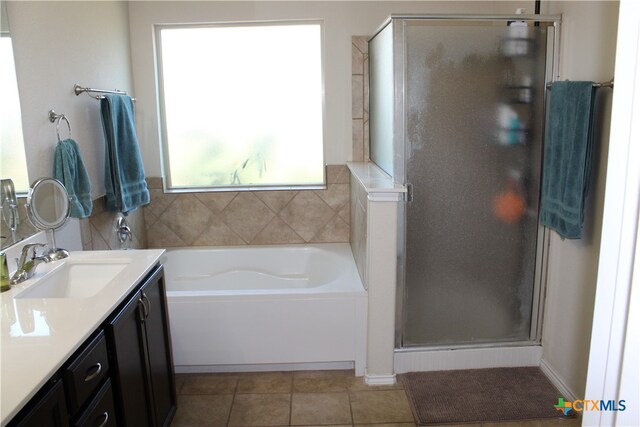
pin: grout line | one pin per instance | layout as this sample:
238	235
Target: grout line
335	214
291	403
233	400
291	399
289	202
230	201
250	242
353	421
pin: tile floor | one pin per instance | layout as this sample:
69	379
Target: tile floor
301	398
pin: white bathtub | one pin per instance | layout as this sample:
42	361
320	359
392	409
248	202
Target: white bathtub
266	308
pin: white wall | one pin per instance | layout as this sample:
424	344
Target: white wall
341	21
58	44
587	52
614	359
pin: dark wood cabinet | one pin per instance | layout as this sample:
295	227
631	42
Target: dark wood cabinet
86	372
47	409
159	352
121	376
101	410
139	340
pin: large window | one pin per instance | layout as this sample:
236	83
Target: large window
241	105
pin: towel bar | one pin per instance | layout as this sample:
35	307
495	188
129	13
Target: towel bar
601	84
77	89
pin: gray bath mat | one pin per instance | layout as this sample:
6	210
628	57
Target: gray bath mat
481	395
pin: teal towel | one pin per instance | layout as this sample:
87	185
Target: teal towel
567	157
68	168
126	188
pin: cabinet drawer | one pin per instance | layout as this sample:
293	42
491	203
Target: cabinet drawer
86	371
101	411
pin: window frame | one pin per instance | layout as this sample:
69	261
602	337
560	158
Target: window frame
162	122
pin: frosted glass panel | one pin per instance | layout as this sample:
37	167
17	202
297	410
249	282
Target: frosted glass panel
242	105
474	103
381	99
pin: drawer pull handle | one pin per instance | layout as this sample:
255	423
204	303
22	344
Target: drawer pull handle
145	312
96	370
146	298
105	418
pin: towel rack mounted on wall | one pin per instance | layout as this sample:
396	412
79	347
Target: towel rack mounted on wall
601	84
77	89
56	118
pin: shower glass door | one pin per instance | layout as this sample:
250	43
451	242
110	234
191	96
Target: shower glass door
474	103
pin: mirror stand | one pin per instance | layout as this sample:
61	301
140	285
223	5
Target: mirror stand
48	208
54	253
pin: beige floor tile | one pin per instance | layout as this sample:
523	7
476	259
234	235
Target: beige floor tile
209	384
270	382
320	381
180	379
320	408
260	410
203	410
387	406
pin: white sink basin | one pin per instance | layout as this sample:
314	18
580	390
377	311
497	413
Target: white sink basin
75	279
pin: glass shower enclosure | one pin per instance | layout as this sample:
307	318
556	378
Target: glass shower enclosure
456	114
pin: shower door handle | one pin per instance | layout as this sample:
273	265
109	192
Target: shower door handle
409	194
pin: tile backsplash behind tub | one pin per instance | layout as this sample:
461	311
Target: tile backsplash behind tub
99	230
250	217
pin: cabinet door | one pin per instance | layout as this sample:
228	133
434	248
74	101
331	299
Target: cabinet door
131	383
49	410
159	349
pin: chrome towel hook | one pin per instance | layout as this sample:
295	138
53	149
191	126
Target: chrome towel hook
56	118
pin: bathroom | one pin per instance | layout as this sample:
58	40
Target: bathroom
110	45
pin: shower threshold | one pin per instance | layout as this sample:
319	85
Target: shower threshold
500	355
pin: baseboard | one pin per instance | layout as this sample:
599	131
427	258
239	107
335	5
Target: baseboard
370	379
556	380
467	358
320	366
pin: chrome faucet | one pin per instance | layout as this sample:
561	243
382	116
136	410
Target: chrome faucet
27	266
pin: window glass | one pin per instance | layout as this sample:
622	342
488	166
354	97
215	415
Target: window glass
242	105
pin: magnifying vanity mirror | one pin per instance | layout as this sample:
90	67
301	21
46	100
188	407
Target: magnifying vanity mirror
48	207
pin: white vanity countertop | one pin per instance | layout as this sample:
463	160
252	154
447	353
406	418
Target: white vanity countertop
39	335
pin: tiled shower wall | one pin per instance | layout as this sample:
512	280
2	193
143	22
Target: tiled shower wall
360	97
250	217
